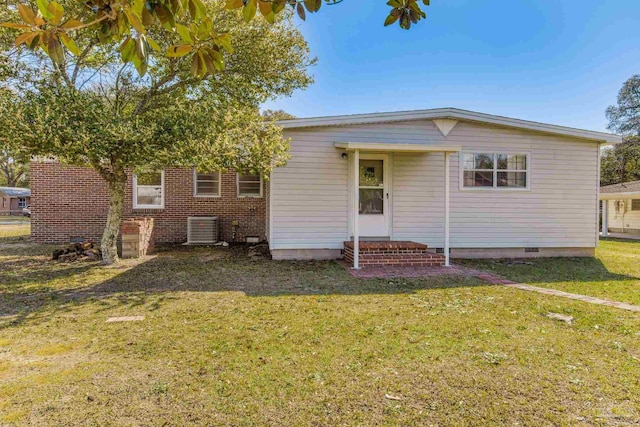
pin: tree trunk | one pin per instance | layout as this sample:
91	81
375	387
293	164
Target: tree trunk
11	178
114	219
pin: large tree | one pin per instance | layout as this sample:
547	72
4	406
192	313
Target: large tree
92	107
621	163
624	118
13	173
201	75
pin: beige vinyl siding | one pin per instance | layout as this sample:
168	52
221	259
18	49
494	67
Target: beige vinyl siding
559	209
311	195
418	198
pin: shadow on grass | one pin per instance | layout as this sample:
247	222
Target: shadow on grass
34	287
11	239
633	239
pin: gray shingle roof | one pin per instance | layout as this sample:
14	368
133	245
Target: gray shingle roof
625	187
16	191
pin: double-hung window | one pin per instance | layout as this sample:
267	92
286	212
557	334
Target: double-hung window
249	185
148	190
22	203
206	184
495	170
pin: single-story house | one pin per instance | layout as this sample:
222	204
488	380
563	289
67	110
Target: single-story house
621	208
13	200
399	187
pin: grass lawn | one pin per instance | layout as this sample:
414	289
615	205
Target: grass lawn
227	340
613	274
14	233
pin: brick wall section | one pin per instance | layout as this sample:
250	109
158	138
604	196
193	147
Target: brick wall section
136	236
72	201
398	254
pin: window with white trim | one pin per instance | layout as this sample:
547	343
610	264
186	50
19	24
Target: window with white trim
148	190
495	170
249	185
635	204
22	203
206	184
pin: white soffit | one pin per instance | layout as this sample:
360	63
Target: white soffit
445	125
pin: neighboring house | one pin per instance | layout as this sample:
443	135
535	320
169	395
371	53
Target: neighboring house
13	200
472	184
621	208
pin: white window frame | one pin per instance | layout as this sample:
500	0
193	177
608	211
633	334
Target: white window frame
495	187
22	202
135	193
195	186
242	196
632	208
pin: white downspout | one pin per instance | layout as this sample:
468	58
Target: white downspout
356	209
447	180
605	218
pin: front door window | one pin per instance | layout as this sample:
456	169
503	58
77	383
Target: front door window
371	186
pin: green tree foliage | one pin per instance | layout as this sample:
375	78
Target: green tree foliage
12	172
624	118
56	28
92	106
621	163
275	115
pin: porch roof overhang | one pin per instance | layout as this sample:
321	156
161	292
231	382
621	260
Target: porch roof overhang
405	148
619	196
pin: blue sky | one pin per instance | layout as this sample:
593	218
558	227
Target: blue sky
556	61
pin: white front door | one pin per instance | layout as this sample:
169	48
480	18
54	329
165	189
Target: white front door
374	196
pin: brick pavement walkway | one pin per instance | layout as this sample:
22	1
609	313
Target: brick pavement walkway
497	280
459	270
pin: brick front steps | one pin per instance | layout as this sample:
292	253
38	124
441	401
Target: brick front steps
397	254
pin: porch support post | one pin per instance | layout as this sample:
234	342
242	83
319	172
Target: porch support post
356	208
605	218
447	182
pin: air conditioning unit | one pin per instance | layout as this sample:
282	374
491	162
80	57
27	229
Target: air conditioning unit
202	230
